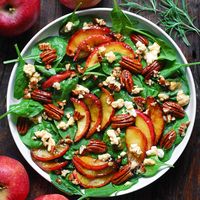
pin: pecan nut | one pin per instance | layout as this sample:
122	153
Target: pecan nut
77	116
140	102
168	139
152	69
126	80
133	65
173	108
48	56
53	111
42	96
122	175
122	121
23	124
96	146
137	37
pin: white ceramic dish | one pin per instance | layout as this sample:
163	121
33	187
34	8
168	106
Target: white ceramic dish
52	29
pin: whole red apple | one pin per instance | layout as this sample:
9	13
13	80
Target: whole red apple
72	4
17	16
51	197
14	180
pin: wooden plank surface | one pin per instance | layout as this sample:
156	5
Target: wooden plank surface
180	183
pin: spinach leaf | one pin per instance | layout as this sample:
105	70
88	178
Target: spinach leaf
66	87
122	94
21	81
120	20
65	186
168	154
44	71
139	81
26	108
57	43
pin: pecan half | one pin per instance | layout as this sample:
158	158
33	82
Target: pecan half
140	102
40	95
122	175
23	124
168	139
77	116
53	111
122	121
152	69
137	37
48	56
173	108
126	80
96	146
133	65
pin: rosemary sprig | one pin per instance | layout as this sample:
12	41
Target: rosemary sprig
172	14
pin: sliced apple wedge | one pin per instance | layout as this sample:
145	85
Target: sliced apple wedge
81	35
143	122
43	155
92	183
95	108
51	165
118	47
135	136
84	123
93	173
90	163
108	111
87	45
156	115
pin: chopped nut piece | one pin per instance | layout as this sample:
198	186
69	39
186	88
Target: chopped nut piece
163	96
182	98
149	161
100	22
68	27
174	85
44	46
135	149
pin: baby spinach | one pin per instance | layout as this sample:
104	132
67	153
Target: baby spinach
57	43
44	71
26	108
21	81
65	185
122	94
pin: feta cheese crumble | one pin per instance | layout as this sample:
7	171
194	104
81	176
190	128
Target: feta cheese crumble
119	103
152	54
56	85
154	151
80	91
104	157
135	149
129	108
149	161
112	134
29	70
182	98
110	56
68	27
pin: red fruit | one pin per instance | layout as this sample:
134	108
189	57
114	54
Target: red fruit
51	197
17	16
14	180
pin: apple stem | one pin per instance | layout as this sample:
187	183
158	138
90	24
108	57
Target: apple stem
11	10
2	187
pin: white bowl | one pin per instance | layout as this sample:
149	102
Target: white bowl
52	29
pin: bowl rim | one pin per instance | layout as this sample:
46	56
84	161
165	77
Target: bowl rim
180	147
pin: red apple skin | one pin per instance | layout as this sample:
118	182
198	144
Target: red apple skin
14	178
21	19
51	197
72	4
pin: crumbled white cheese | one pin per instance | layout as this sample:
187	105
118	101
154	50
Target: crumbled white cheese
68	115
154	151
110	56
135	149
163	96
116	72
127	183
110	80
182	98
118	104
122	154
141	48
29	70
149	161
152	54
101	22
134	164
68	27
80	91
101	49
113	137
136	90
129	108
37	119
87	25
81	149
64	172
104	157
98	128
67	66
65	125
169	118
46	139
56	85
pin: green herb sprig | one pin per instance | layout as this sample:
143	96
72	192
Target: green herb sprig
172	15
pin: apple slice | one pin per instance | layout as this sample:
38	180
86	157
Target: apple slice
84	123
135	136
108	111
90	163
143	122
51	197
51	165
93	173
92	183
81	35
87	45
118	47
156	115
43	155
95	108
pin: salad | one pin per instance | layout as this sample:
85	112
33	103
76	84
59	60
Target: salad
100	105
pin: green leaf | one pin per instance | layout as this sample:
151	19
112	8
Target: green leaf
26	108
21	81
65	186
44	71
